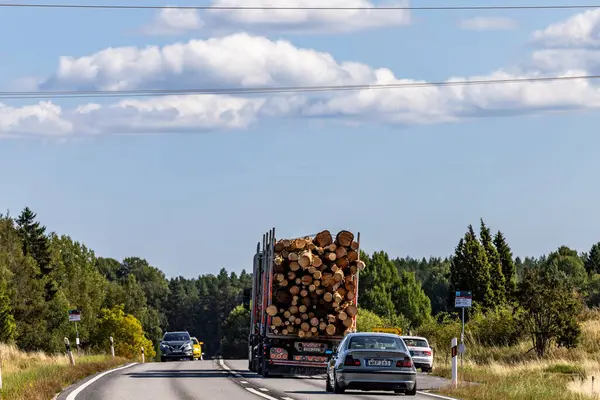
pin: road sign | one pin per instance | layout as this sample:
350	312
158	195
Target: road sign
462	348
463	299
74	315
397	331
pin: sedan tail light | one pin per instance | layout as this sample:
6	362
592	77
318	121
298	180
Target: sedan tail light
426	353
351	362
406	363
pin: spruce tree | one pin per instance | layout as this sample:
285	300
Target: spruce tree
470	269
509	268
498	283
592	262
35	243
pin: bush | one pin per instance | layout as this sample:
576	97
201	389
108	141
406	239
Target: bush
499	328
127	332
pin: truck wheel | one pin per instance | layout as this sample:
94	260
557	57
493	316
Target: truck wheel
264	370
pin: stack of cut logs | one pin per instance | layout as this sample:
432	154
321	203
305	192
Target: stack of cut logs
314	285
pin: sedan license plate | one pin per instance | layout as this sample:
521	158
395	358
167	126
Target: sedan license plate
379	363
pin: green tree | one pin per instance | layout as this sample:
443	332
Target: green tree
551	308
592	262
470	269
509	269
234	343
127	333
411	301
35	244
497	280
569	262
367	320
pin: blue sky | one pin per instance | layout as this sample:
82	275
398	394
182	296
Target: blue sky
191	184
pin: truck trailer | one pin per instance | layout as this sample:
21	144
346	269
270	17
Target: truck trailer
303	301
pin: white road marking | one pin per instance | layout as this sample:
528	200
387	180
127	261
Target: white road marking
265	396
286	398
243	382
79	389
237	375
264	389
437	396
223	364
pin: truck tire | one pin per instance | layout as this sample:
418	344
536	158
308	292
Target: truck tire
264	371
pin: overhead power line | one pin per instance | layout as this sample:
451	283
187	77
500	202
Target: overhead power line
246	8
275	90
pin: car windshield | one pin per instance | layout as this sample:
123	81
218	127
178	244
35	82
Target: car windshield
416	343
170	337
376	342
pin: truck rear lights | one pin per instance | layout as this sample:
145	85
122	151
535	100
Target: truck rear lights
351	362
278	353
406	363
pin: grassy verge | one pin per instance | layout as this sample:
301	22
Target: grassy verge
515	373
37	376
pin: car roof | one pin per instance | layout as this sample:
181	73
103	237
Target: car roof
415	338
186	332
362	334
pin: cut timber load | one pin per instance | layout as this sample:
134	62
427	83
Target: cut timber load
315	280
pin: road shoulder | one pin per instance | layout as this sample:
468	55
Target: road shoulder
70	392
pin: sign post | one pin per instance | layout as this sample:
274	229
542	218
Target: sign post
463	300
112	347
75	316
454	349
69	352
396	331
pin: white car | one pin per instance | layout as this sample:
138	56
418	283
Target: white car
420	351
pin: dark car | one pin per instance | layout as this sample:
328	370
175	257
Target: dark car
176	346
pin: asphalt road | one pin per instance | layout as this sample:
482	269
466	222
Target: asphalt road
209	380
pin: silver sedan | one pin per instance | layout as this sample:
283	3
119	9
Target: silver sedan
372	361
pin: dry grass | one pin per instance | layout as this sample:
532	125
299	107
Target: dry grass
516	374
38	376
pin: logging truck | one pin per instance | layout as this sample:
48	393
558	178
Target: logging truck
303	301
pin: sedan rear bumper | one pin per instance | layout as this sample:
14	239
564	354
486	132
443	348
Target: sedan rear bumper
377	380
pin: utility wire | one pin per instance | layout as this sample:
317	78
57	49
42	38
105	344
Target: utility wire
276	90
246	8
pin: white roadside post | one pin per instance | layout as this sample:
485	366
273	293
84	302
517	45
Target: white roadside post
454	348
0	373
69	352
143	356
112	347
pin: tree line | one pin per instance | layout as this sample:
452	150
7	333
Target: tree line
43	275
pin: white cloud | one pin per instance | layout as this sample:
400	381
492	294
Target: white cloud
42	118
173	22
159	114
488	23
242	60
581	30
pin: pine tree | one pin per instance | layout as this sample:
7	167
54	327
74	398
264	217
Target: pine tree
470	269
498	283
36	244
592	263
509	267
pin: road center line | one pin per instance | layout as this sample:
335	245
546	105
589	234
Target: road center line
256	392
264	389
243	382
79	389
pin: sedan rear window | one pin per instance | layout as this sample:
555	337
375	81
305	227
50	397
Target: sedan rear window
376	342
170	337
416	343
